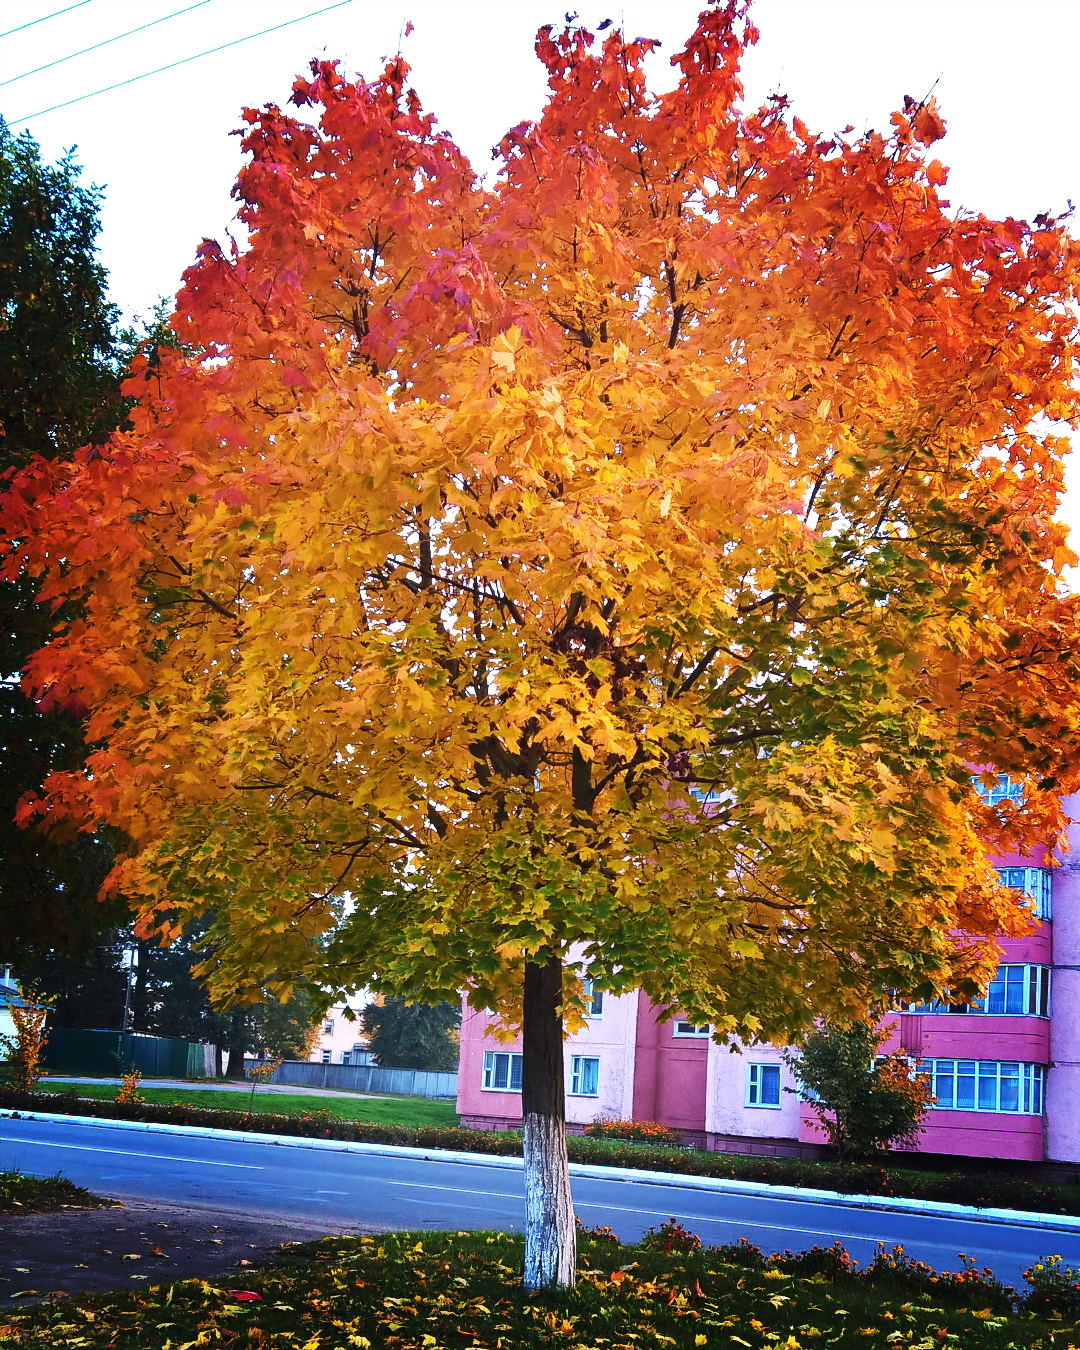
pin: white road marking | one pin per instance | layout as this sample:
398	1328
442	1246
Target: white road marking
458	1190
130	1153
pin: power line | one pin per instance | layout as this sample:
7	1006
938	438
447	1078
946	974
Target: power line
173	64
54	15
130	32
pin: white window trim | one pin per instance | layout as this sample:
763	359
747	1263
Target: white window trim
1031	1077
1036	981
576	1074
752	1086
589	993
1037	884
489	1067
692	1033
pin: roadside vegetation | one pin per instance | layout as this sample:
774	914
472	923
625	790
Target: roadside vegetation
410	1111
985	1189
26	1194
449	1291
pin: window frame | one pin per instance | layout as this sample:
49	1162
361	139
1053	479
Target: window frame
578	1071
489	1070
594	999
691	1032
986	1081
328	1027
1032	979
1035	882
755	1083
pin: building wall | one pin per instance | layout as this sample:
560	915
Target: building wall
726	1110
344	1039
609	1037
1063	1077
671	1072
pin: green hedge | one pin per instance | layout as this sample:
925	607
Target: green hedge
983	1189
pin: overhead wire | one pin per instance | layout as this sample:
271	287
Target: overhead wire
174	64
130	32
54	15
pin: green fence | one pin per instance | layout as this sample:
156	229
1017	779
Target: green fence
105	1054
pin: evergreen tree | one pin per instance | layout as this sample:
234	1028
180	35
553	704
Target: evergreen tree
413	1036
61	362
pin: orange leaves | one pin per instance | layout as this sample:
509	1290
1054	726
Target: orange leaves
477	534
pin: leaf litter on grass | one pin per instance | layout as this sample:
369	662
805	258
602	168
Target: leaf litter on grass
462	1291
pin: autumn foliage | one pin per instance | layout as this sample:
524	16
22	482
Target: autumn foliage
628	557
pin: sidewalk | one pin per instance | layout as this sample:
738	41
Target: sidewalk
221	1085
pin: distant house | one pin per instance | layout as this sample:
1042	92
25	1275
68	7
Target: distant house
9	996
1005	1072
340	1040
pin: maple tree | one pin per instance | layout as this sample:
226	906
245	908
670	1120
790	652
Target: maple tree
614	569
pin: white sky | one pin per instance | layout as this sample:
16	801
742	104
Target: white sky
1005	71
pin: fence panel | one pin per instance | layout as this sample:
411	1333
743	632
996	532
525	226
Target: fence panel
368	1078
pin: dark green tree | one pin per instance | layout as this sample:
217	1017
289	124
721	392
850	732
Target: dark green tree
866	1102
61	363
413	1036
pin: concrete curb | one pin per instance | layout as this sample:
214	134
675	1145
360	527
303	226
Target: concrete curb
1062	1223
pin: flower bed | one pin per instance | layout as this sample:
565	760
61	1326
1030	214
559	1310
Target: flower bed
984	1189
452	1291
634	1131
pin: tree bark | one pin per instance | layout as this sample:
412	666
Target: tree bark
550	1233
238	1043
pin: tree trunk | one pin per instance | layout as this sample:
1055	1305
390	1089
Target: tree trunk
238	1043
550	1233
219	1062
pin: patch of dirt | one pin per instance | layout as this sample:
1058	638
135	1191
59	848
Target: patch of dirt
75	1251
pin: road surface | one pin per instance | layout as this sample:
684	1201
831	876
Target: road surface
348	1189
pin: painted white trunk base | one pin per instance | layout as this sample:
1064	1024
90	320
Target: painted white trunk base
550	1230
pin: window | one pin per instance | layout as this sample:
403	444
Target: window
1004	790
594	1000
346	1057
1017	990
328	1028
502	1071
985	1085
688	1029
763	1085
584	1076
1034	882
326	1056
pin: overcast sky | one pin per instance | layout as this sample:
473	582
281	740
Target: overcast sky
1005	73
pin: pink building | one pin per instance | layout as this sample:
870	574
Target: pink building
1006	1073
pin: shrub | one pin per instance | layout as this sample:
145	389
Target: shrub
637	1131
830	1261
669	1238
1055	1289
128	1094
741	1253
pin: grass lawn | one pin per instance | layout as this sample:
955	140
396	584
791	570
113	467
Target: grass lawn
19	1193
414	1111
461	1291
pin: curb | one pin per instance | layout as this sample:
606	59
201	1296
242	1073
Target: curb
1063	1223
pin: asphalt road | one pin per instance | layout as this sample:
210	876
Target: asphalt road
343	1190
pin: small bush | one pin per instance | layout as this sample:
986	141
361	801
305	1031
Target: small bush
741	1253
636	1131
830	1261
1055	1289
670	1238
